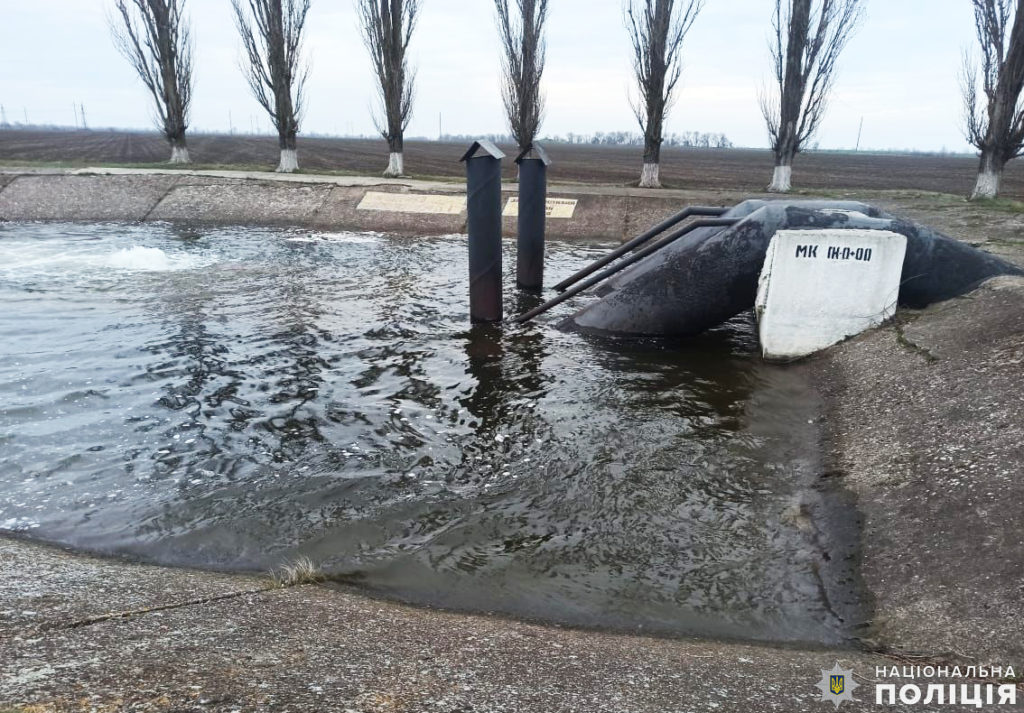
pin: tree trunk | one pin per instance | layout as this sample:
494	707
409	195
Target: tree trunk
396	159
782	178
179	151
791	100
289	156
990	172
650	175
179	154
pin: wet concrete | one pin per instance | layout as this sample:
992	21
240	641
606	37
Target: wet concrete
102	635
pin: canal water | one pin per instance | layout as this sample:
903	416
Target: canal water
236	398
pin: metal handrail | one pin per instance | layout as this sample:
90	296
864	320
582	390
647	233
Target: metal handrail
631	260
640	240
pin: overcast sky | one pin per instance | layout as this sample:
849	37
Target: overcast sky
899	72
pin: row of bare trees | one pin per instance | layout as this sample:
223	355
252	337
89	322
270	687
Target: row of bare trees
155	37
806	47
808	37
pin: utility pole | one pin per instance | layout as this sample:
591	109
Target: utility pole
859	132
231	124
440	128
85	124
3	116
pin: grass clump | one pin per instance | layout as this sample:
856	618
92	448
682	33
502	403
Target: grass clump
298	571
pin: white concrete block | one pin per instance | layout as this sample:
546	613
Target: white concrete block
818	287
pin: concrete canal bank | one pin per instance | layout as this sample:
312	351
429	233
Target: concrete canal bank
309	201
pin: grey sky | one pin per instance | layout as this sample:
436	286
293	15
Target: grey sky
900	71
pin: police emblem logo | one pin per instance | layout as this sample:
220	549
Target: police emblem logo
837	685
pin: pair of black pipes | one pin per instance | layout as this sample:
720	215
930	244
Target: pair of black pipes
483	223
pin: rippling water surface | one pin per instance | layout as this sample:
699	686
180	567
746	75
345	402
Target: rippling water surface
238	397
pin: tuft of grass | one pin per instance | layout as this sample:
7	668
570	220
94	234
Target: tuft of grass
299	571
1002	205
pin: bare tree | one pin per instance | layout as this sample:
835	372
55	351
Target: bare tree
387	28
805	50
657	29
271	33
156	39
521	28
998	131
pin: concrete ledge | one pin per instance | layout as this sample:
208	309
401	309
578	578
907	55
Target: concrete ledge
319	202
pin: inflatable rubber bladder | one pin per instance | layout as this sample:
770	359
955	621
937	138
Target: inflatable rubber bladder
711	275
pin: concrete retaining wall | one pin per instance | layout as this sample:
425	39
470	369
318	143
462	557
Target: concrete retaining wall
49	197
323	203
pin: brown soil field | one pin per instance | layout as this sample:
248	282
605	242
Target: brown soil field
739	169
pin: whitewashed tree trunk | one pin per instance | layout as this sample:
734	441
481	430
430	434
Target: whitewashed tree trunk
650	176
396	165
987	186
179	154
289	161
782	179
989	174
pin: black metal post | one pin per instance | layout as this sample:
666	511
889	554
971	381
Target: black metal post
533	199
483	223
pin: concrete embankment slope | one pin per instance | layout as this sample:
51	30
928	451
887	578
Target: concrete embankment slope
925	424
317	202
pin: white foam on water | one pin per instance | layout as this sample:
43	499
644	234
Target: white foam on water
61	260
139	258
348	238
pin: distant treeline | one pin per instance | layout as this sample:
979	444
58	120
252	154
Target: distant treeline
688	139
